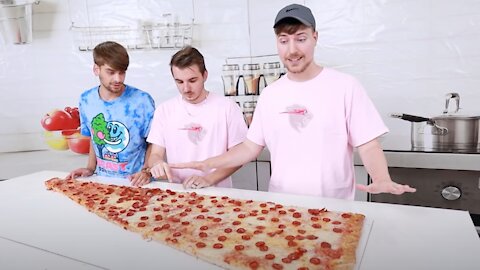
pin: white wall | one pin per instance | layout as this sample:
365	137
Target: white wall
407	53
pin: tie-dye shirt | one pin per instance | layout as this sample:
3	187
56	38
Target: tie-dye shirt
118	129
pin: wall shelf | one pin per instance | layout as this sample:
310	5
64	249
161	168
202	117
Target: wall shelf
146	37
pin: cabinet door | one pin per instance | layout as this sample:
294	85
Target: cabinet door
246	177
263	175
361	177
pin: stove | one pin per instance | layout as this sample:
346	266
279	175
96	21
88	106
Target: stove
447	179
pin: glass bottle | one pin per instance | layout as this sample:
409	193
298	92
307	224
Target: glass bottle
230	78
248	109
271	72
251	76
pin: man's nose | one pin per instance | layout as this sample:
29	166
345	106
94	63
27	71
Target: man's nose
186	87
117	77
292	47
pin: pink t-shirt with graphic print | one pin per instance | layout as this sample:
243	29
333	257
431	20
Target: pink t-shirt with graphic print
197	131
311	129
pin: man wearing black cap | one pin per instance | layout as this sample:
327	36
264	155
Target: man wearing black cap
311	120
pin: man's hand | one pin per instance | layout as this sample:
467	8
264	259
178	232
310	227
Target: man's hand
161	171
386	187
196	181
140	178
81	172
197	165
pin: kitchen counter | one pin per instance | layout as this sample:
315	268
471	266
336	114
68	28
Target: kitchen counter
400	237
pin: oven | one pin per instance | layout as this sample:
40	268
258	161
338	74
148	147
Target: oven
442	188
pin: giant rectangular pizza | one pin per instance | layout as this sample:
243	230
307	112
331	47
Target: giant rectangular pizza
228	232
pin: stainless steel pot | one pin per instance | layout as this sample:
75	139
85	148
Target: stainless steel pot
447	132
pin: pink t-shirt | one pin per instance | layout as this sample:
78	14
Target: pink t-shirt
197	131
311	129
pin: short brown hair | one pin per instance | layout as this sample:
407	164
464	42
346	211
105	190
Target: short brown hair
112	54
290	26
186	57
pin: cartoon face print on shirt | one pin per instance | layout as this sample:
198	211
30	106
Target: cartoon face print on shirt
298	116
114	136
195	132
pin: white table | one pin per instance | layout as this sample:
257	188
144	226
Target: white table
401	237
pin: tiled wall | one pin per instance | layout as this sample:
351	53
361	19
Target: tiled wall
407	53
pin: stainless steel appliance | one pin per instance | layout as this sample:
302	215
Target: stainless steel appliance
450	131
451	189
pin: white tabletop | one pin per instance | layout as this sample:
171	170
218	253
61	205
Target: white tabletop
401	237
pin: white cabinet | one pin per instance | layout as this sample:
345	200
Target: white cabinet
361	177
254	175
246	177
263	175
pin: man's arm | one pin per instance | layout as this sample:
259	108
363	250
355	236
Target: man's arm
91	165
156	162
143	176
234	157
375	163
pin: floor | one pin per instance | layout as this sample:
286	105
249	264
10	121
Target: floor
22	163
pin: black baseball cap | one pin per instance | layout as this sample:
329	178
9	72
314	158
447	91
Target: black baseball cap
298	12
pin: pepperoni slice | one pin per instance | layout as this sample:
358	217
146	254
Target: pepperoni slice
203	234
286	260
277	266
325	245
260	243
236	222
263	248
302	231
236	209
157	229
314	212
289	237
204	228
282	226
292	243
185	223
246	237
297	215
228	230
316	226
200	217
274	219
239	247
241	216
183	214
143	218
141	224
241	230
222	238
253	265
263	205
200	245
257	232
315	261
345	215
312	237
314	219
336	222
177	234
217	219
166	226
296	223
326	219
337	230
269	256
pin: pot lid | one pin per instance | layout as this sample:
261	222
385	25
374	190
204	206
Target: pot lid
457	113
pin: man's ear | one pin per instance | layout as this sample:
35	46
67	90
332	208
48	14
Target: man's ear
96	69
205	76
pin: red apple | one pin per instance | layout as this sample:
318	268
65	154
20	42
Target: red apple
59	120
78	143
